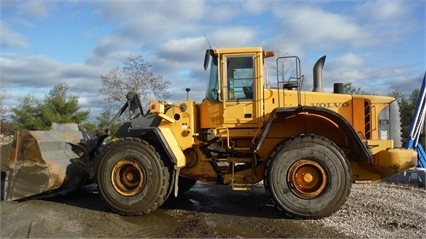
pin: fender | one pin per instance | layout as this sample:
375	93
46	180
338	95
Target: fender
161	139
355	142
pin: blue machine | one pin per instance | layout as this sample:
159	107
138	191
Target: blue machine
417	125
418	175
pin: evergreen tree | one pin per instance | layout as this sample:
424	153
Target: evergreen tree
58	106
407	108
27	115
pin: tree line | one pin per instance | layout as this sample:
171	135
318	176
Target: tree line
134	74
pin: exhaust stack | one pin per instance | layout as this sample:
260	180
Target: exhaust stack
318	75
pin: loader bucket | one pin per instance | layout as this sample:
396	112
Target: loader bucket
41	161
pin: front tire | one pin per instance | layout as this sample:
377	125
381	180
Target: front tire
308	176
131	177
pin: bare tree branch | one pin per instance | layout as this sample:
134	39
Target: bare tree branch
133	75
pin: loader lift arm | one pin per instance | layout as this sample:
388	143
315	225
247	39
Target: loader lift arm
417	125
134	105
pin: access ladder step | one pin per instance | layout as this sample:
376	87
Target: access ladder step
242	187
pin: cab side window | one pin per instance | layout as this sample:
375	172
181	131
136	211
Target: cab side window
240	77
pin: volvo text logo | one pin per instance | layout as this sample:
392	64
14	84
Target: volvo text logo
331	104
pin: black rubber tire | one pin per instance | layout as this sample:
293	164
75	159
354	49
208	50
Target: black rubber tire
333	181
131	177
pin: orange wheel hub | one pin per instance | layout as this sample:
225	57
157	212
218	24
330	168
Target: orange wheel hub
127	177
307	178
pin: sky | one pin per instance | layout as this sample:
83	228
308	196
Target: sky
378	46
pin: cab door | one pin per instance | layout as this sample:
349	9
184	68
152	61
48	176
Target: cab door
240	83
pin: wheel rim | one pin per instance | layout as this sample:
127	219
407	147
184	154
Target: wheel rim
307	178
128	177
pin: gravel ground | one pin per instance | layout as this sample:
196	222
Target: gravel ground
206	211
382	210
379	210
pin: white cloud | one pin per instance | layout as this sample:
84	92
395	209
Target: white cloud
357	37
391	21
38	74
9	38
384	10
255	6
233	36
145	19
314	26
180	50
34	8
31	70
351	59
111	49
370	78
222	11
347	68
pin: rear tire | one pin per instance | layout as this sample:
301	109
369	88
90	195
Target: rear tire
308	176
131	177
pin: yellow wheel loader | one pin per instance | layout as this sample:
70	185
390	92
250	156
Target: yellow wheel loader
307	147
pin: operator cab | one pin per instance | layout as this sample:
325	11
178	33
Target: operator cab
234	90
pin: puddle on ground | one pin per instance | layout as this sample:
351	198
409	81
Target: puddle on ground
156	224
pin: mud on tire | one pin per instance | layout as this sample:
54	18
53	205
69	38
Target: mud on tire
131	177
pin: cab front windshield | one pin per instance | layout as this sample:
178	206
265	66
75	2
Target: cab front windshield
213	89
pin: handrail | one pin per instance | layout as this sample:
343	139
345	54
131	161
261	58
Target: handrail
298	76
